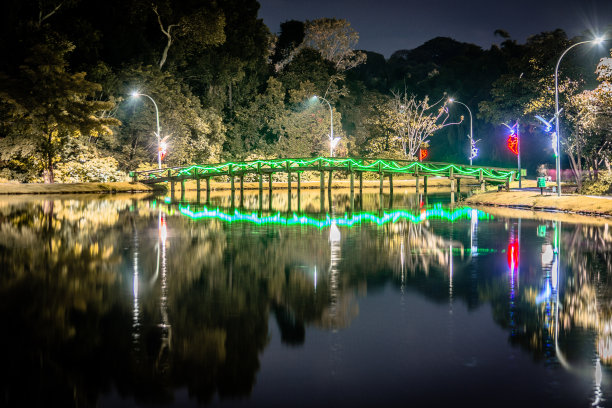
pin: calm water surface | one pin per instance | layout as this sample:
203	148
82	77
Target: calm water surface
124	301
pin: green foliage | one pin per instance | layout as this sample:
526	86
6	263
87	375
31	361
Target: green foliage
195	134
45	105
600	186
102	169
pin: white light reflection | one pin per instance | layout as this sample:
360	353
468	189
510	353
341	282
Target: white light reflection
166	332
136	304
450	283
335	257
474	224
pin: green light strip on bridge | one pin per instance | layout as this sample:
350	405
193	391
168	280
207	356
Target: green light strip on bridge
379	164
435	212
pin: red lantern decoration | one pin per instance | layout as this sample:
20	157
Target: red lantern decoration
513	143
423	154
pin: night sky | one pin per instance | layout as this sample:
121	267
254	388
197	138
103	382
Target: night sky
386	26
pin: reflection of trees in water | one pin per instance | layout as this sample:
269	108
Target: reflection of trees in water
58	260
587	301
74	261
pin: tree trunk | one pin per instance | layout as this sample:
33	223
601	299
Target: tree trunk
574	169
230	94
48	172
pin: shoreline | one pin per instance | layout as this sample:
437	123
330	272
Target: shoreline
532	200
76	188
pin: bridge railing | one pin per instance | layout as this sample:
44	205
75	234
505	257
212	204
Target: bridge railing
349	164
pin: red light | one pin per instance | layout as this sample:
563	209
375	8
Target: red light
513	255
513	143
423	155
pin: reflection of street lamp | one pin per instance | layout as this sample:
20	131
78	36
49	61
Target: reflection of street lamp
597	40
136	94
473	149
333	142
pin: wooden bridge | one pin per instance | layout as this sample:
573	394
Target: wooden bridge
351	166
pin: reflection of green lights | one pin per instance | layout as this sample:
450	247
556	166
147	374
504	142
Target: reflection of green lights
323	163
435	212
476	250
541	230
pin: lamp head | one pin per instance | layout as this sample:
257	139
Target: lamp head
451	100
134	94
598	40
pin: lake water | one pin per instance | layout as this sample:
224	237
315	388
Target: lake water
140	300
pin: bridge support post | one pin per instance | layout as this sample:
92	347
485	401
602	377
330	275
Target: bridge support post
207	189
260	178
360	183
288	189
183	190
458	186
391	184
270	187
425	185
198	189
171	183
482	182
299	190
299	181
233	190
417	184
382	178
352	189
329	184
289	181
452	181
242	190
322	181
508	183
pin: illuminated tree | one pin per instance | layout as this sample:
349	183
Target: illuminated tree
45	106
407	123
590	114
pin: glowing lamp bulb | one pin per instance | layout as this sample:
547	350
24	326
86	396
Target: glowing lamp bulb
135	94
451	100
598	40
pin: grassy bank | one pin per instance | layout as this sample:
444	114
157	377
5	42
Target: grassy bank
532	200
74	188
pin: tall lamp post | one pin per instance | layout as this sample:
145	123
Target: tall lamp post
473	149
158	134
332	142
597	40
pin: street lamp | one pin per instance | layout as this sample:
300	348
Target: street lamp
136	94
473	149
597	40
333	142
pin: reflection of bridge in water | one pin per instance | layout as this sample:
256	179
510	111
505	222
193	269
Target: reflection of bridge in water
293	168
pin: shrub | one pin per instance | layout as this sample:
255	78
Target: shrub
101	169
602	186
